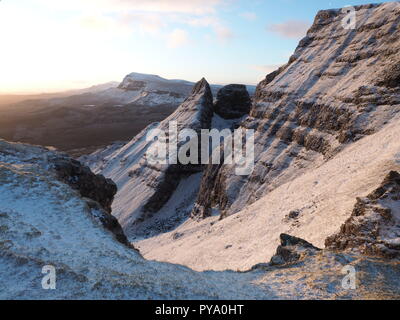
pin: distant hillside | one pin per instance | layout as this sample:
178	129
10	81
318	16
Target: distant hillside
81	121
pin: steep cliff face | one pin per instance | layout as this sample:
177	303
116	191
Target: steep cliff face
326	131
145	187
339	86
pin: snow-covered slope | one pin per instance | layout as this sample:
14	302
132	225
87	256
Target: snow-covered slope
145	188
322	198
46	223
339	86
327	128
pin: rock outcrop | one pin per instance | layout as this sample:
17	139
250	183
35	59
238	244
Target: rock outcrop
145	187
292	250
45	223
339	86
233	101
89	185
374	226
97	191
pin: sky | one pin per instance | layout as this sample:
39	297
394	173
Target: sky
54	45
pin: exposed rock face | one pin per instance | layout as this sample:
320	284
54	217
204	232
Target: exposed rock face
97	191
233	101
89	185
374	226
292	250
131	84
45	222
324	98
145	188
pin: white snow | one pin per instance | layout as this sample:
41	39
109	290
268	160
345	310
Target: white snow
325	197
321	187
44	222
134	175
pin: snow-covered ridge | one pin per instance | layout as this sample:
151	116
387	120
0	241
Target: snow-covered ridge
44	222
144	188
326	132
339	86
153	78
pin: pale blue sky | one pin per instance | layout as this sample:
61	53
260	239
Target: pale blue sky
49	45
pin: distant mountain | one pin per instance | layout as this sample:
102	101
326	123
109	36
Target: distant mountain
81	121
158	85
138	89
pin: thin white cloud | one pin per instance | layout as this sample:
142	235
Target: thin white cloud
154	17
103	25
293	29
251	16
222	32
146	22
178	6
178	38
181	6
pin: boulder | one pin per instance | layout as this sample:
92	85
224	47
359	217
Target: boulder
233	101
292	250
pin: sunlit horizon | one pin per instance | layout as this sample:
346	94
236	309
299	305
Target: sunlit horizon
78	44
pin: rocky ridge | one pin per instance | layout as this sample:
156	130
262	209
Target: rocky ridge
155	184
326	131
47	222
150	192
322	100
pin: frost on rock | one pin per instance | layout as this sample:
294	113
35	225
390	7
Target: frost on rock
339	86
374	226
326	130
46	222
145	188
